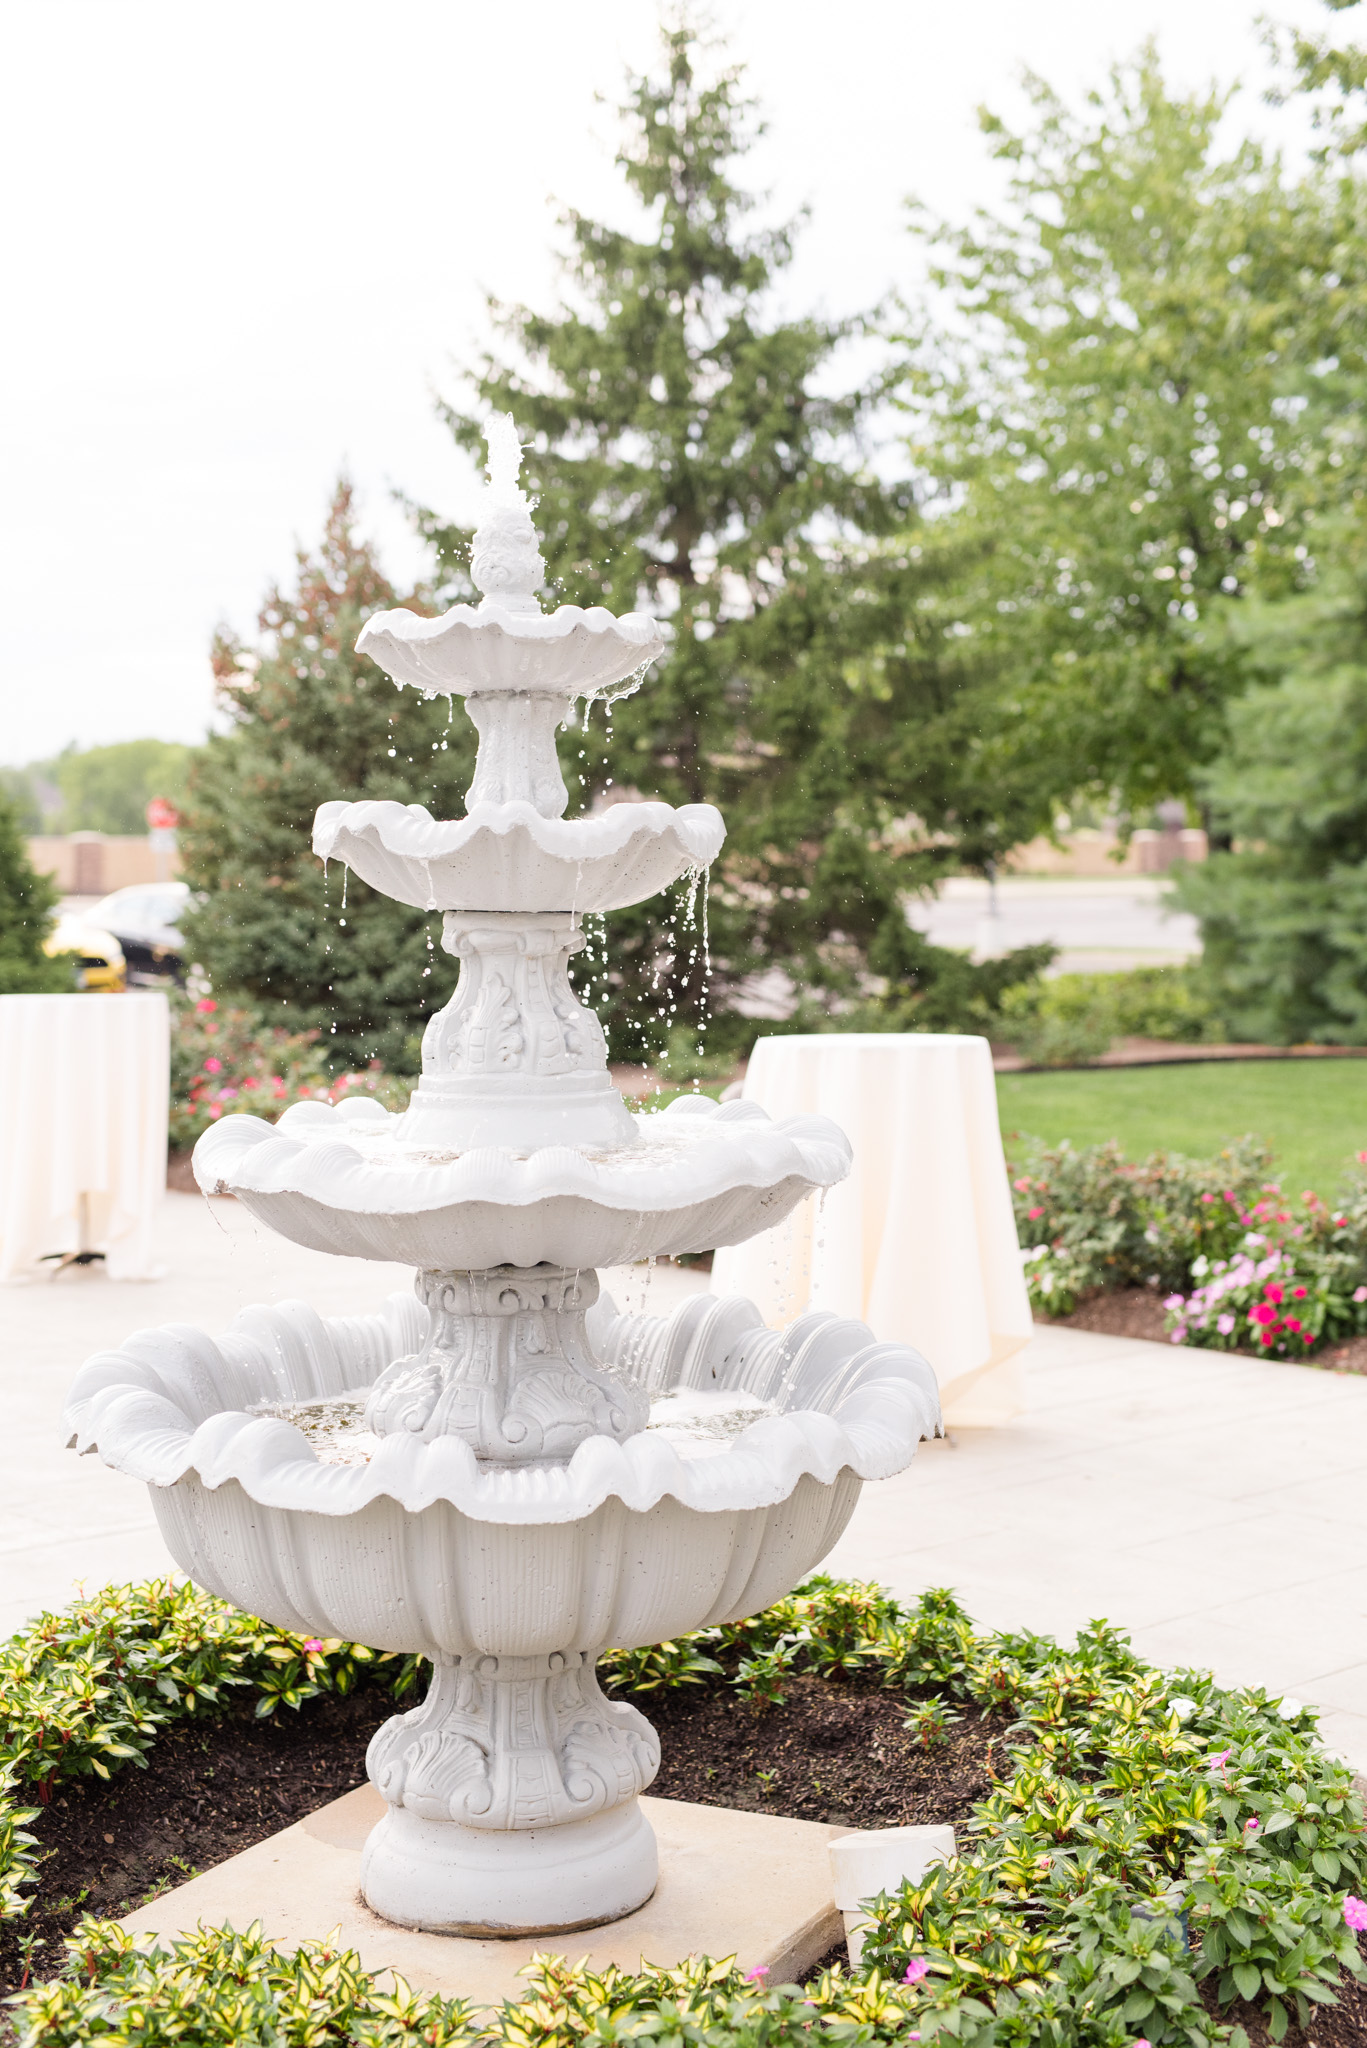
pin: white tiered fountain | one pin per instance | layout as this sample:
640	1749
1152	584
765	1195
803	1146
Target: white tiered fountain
501	1471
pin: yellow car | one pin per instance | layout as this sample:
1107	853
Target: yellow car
99	961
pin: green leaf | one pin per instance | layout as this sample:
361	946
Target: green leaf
1248	1978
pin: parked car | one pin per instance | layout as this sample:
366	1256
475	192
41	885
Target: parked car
145	920
99	961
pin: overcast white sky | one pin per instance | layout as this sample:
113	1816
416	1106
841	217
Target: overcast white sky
243	243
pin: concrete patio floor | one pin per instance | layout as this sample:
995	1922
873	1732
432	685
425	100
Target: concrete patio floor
1215	1507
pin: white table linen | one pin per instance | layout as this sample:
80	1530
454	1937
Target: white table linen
84	1096
920	1241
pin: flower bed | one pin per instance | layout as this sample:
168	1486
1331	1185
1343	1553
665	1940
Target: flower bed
1241	1266
225	1060
1155	1851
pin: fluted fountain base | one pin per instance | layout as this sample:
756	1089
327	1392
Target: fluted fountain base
512	1798
449	1879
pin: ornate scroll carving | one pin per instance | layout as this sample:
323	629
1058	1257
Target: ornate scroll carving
514	1011
507	1367
514	1742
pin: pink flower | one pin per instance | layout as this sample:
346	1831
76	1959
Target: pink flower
1031	1214
1173	1301
1179	1335
1293	1322
1298	1293
917	1968
213	1065
753	1976
1207	1198
1021	1186
1360	1294
1251	1827
204	1004
1225	1325
1355	1913
215	1109
1230	1196
1263	1313
313	1645
1217	1763
1272	1291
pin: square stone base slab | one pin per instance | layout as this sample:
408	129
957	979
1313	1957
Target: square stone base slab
737	1883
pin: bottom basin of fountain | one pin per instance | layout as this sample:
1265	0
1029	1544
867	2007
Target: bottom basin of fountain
512	1789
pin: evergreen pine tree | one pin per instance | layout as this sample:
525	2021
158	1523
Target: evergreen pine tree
27	901
311	720
689	461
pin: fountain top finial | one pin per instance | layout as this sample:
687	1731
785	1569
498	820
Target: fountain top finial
505	559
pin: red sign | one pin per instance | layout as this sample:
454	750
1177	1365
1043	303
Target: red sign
162	816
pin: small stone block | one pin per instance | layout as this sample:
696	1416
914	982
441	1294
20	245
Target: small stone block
746	1884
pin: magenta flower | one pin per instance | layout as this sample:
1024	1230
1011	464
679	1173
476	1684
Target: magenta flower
1217	1763
314	1644
753	1976
213	1066
1355	1913
1031	1214
204	1004
1251	1827
917	1968
1263	1313
1272	1291
1207	1198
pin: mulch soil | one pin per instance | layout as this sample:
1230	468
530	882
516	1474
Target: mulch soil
831	1752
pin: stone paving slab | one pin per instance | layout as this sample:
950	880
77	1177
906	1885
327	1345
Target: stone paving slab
1214	1506
743	1884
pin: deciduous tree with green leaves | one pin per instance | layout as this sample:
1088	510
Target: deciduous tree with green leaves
1117	390
695	456
309	719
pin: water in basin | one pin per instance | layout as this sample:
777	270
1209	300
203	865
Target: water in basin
698	1424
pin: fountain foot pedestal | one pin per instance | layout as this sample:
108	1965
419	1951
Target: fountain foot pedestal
512	1801
448	1879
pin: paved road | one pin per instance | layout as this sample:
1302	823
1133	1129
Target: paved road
1099	924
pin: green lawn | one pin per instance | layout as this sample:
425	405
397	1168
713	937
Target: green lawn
1313	1113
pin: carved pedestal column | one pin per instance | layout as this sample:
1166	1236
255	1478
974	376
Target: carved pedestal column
507	1367
515	1059
512	1801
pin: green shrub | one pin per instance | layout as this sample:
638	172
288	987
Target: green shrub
1074	1018
1090	1220
1133	1809
1242	1265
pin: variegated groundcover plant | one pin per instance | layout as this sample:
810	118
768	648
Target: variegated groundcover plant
1154	1834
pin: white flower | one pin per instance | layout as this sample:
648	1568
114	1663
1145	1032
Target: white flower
1182	1707
1200	1266
1290	1710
